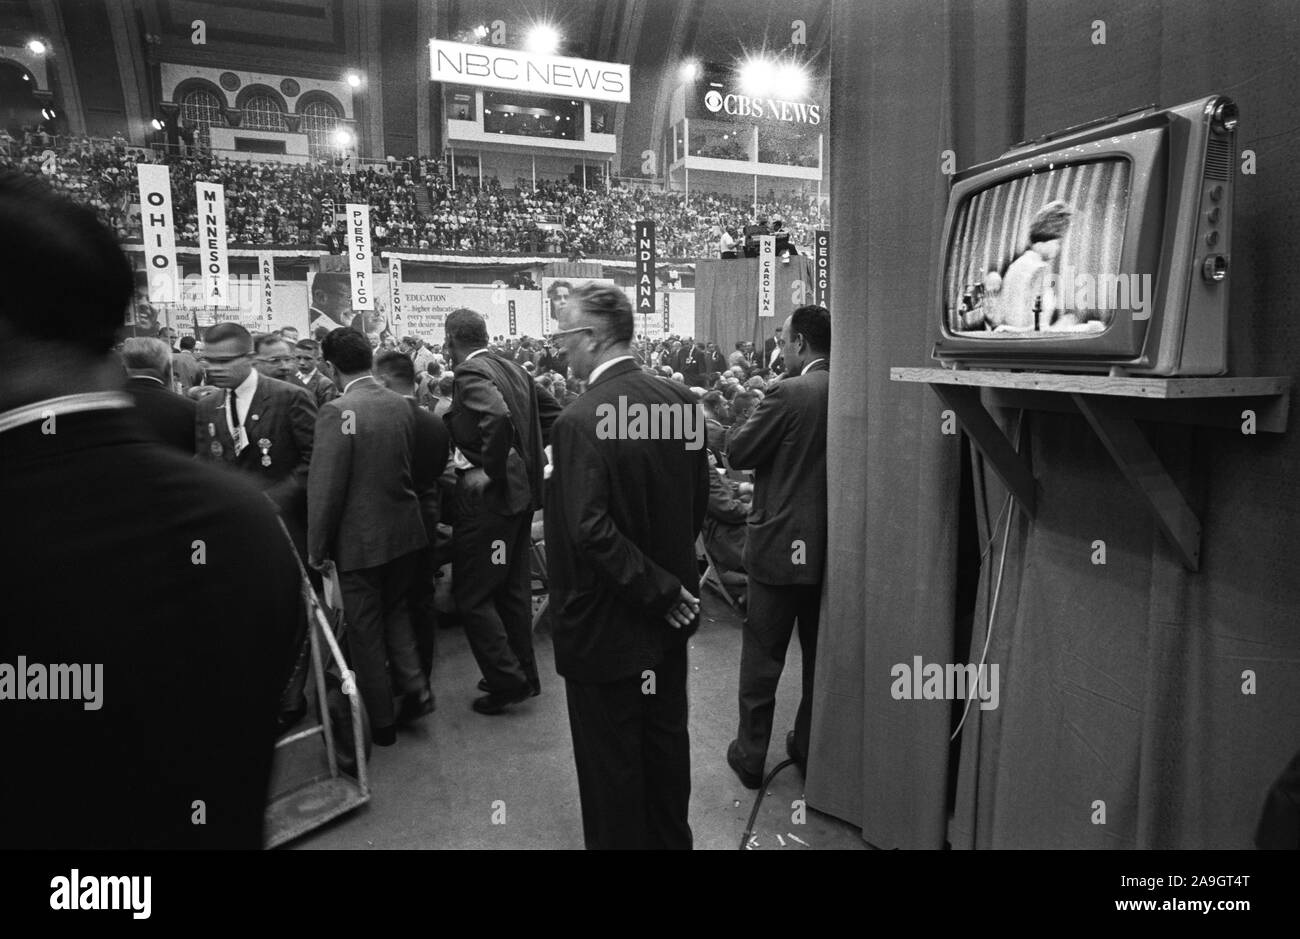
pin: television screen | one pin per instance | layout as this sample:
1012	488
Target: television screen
1039	255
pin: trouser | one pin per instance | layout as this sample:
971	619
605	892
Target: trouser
424	612
772	613
380	636
491	587
633	756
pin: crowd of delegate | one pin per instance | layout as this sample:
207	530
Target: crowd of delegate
415	203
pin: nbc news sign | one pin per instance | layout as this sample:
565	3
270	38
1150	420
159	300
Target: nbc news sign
718	97
515	70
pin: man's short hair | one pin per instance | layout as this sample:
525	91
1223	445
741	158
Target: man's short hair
307	345
187	343
327	281
397	366
261	342
556	285
151	354
466	328
225	331
814	324
446	384
347	350
610	305
67	281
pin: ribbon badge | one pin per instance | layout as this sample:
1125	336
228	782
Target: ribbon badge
215	446
266	451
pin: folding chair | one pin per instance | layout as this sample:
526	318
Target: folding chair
711	577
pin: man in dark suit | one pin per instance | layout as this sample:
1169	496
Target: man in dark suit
396	372
185	367
167	725
364	519
169	416
307	354
784	442
772	352
257	425
714	360
622	516
499	422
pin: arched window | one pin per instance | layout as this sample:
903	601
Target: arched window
319	120
202	110
262	112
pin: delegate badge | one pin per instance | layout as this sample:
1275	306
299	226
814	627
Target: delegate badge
266	451
216	449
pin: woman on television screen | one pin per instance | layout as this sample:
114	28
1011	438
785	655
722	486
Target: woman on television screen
1023	298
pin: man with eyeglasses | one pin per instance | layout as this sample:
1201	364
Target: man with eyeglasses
257	424
273	357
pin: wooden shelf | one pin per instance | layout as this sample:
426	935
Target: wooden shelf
1112	406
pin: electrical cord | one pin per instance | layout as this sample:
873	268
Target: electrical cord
1009	510
758	801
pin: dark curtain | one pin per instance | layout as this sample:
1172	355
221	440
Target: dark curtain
1123	686
726	299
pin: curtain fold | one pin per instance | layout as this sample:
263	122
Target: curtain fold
1140	705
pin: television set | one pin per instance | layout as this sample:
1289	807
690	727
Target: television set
1104	247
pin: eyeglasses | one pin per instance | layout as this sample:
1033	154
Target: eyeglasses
570	332
277	359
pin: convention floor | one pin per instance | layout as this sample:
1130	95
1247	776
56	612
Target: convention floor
457	779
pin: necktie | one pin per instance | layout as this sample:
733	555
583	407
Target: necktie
236	432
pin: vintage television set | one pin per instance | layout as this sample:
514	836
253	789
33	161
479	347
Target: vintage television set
1105	247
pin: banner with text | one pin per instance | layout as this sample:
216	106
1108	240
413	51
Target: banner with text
396	308
359	263
266	307
766	275
158	232
214	257
459	63
645	270
822	268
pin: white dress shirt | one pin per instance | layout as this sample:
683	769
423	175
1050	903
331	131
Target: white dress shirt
243	402
804	370
66	404
601	368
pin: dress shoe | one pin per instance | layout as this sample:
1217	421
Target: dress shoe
495	703
747	779
383	736
535	687
415	704
800	761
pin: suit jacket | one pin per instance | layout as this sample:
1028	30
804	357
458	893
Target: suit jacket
362	509
168	416
284	415
489	391
322	389
186	369
92	513
428	462
784	442
715	361
621	521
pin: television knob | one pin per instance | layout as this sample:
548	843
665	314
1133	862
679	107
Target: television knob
1213	216
1212	238
1215	268
1216	193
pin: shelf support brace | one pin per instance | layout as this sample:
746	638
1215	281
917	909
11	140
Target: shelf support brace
1143	469
1010	466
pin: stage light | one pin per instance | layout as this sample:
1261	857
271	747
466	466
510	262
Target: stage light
756	77
36	47
792	80
157	124
342	138
690	71
542	40
354	80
